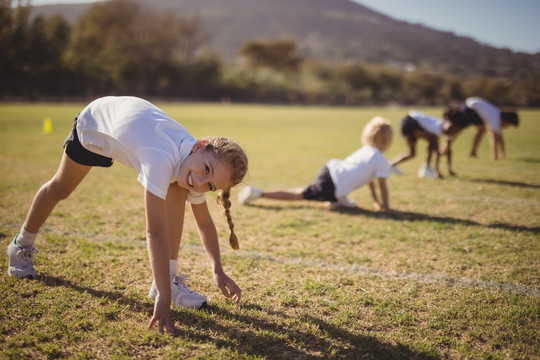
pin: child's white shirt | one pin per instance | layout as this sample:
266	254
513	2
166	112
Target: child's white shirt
138	134
357	169
429	123
487	112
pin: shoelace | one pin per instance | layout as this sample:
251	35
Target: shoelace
25	254
181	280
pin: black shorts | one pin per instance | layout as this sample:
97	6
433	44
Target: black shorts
472	116
322	189
408	127
76	152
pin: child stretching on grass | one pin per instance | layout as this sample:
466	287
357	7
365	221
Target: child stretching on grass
476	111
417	125
173	168
482	112
338	178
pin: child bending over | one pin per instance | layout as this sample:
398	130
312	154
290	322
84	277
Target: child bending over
417	125
338	178
496	119
478	112
172	167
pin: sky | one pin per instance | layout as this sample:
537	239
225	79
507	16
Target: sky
512	24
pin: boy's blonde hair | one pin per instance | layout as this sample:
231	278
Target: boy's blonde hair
229	151
378	133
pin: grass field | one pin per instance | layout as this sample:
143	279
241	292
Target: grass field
454	275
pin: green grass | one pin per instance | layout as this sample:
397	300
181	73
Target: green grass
454	275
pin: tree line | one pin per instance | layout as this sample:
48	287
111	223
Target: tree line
121	47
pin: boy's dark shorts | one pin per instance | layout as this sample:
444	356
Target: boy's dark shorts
472	116
76	152
322	189
408	127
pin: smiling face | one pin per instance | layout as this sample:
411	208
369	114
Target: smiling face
202	172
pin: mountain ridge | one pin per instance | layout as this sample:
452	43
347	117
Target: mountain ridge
336	31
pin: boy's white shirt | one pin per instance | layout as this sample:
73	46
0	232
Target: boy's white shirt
487	112
358	169
429	123
139	135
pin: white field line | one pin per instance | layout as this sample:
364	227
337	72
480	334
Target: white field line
438	279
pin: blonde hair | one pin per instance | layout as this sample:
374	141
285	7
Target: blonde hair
378	133
228	150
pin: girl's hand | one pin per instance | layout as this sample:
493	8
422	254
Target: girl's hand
162	314
228	287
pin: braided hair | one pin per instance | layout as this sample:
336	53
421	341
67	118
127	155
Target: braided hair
232	153
223	200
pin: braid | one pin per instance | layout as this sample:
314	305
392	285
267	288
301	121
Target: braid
223	200
231	153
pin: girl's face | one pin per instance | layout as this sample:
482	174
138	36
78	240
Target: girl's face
202	172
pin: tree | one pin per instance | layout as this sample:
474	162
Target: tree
191	37
121	45
280	55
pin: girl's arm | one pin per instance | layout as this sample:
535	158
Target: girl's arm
209	238
373	193
433	149
447	150
384	194
158	252
500	141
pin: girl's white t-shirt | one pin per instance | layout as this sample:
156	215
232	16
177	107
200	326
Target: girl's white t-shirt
138	134
357	169
487	112
429	123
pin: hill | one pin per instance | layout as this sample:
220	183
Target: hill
338	31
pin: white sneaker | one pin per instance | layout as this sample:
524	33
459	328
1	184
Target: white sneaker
181	295
248	194
20	260
343	202
425	171
395	170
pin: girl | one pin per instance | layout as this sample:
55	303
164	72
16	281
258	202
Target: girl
477	112
497	120
339	177
172	167
418	125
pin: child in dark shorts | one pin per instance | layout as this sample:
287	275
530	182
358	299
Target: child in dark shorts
417	125
337	178
478	112
173	167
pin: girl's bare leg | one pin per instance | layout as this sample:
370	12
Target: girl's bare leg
295	194
68	176
411	147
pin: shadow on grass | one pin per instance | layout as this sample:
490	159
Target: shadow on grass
255	335
410	216
278	340
413	216
503	182
119	297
